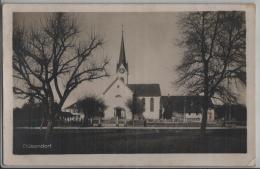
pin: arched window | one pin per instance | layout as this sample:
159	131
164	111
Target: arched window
143	102
152	104
118	96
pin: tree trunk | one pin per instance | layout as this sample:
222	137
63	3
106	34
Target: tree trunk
43	120
50	117
133	120
204	116
204	121
48	130
85	121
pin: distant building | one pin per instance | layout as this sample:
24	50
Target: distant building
231	112
184	108
74	111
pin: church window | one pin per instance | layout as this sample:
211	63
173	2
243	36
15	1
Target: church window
152	104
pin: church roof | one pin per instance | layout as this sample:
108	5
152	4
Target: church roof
145	89
122	57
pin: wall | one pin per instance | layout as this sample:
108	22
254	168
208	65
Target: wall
156	113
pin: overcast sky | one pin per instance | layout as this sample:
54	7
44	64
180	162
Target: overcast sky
150	45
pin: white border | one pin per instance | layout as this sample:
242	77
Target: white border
124	160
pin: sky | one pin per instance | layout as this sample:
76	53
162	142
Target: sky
150	46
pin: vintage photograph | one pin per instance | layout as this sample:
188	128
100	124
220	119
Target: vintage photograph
129	82
109	85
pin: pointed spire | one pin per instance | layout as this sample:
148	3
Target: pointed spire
122	57
122	30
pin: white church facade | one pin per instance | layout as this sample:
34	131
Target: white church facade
121	90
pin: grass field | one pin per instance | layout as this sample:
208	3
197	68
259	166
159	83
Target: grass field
106	141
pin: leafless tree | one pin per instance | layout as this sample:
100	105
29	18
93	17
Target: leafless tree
50	61
214	46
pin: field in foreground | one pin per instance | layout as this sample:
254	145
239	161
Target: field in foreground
110	141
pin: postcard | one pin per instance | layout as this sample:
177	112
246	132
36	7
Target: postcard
129	85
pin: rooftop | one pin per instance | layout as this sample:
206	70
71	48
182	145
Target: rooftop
145	89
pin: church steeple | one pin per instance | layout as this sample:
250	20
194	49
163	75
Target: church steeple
122	66
122	57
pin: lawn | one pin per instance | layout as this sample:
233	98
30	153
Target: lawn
109	141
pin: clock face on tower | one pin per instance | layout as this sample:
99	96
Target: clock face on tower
121	70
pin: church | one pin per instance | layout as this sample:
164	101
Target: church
156	107
121	90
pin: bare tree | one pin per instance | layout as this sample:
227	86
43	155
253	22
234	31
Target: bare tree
214	55
50	61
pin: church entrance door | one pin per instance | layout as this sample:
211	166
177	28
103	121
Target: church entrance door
119	112
120	116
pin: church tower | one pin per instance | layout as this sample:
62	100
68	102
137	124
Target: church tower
122	65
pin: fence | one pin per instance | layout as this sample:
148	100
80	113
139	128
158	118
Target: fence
127	123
